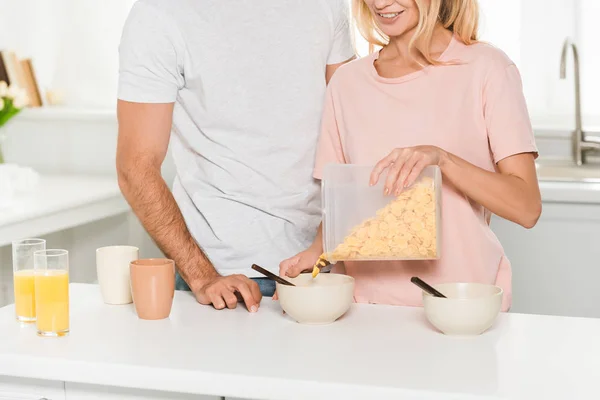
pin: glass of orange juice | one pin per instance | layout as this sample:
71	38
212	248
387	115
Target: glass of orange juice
52	292
23	273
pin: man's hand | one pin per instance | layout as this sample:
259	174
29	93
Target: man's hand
226	291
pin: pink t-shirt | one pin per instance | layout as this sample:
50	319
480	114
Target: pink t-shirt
475	110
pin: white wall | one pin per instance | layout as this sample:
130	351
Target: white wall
588	36
74	44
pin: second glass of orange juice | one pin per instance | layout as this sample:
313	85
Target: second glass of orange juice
23	274
52	292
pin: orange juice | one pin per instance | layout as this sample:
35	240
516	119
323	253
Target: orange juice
25	295
52	302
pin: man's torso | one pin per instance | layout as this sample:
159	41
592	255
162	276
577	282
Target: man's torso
246	123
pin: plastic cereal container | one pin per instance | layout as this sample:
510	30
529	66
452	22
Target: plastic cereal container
361	224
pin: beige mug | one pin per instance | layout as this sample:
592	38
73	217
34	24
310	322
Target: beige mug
153	287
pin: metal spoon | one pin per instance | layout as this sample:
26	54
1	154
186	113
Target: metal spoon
271	275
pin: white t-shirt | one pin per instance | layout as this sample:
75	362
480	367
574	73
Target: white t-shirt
248	81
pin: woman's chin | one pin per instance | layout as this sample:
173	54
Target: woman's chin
395	30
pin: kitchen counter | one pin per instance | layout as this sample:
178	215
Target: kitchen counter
61	202
570	192
373	352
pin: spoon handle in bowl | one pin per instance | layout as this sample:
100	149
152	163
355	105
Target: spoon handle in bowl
426	287
271	275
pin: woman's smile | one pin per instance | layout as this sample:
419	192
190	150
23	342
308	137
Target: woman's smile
394	17
389	17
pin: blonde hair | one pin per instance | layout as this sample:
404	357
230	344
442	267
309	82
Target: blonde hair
459	16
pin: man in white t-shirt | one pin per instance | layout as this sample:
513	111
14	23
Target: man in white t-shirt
240	84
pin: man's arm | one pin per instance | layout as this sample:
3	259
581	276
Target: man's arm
144	131
342	46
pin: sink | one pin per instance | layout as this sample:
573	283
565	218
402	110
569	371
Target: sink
568	172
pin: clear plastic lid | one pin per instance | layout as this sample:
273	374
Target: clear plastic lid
360	223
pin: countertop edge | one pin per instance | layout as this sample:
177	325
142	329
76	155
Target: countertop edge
208	383
570	192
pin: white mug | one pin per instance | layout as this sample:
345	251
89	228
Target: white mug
112	266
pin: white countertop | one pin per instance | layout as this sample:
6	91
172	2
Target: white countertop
570	192
373	352
61	202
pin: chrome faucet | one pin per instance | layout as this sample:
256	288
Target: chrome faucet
581	143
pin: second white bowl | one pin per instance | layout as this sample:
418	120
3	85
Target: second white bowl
470	308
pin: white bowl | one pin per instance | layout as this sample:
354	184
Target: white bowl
470	308
317	301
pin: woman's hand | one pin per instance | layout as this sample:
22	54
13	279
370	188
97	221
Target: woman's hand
301	262
404	166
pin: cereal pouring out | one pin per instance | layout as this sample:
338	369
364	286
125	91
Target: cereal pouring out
321	262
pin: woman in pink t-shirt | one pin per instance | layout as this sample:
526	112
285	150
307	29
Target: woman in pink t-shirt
433	95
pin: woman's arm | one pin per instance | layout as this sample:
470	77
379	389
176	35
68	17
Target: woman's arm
511	193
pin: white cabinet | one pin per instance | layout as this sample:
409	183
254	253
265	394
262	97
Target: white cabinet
78	391
556	265
35	389
30	389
